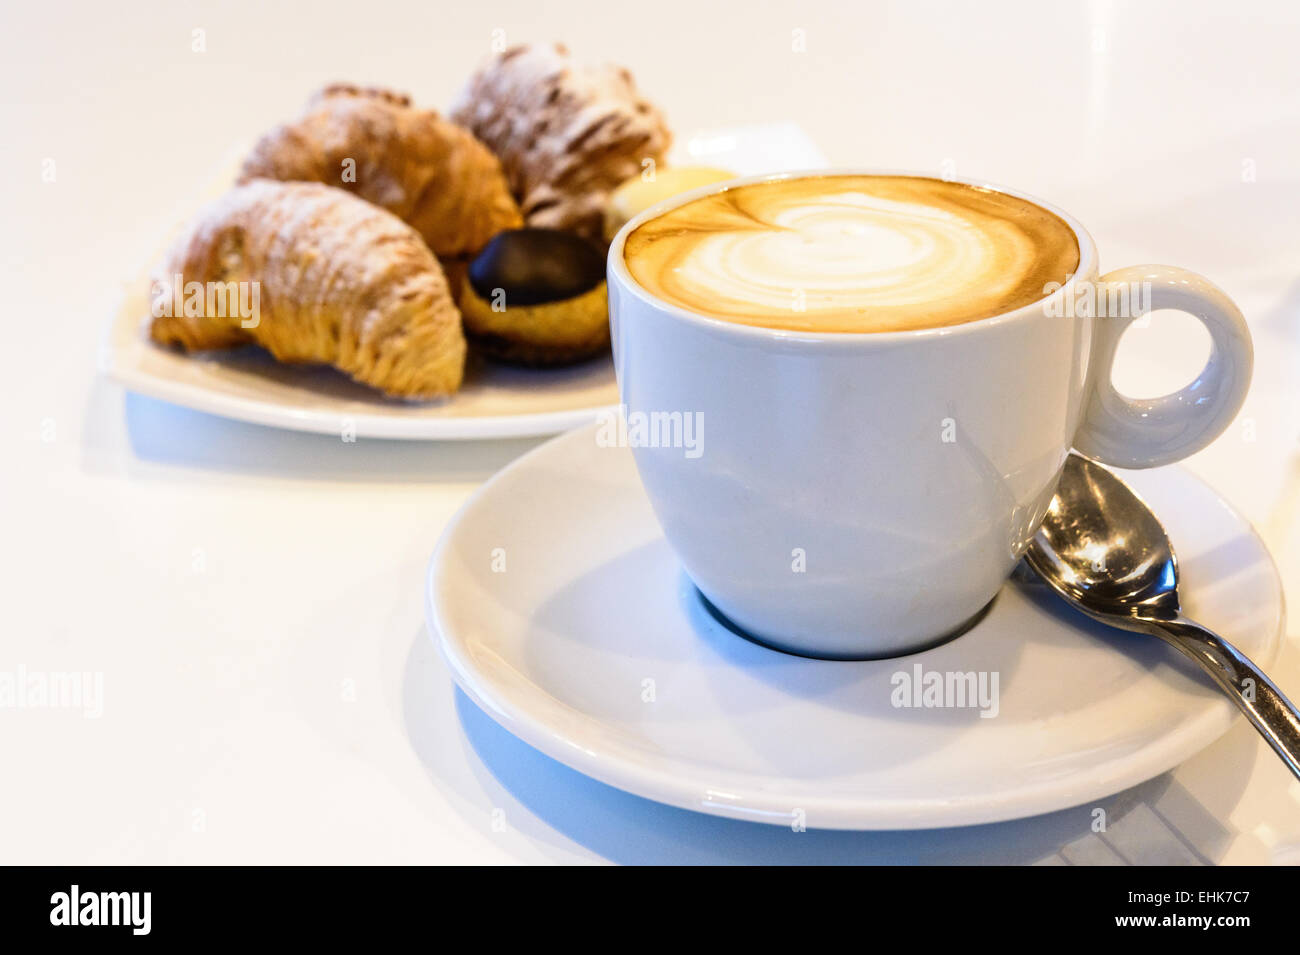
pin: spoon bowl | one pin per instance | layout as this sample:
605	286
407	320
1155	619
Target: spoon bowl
1102	546
1103	550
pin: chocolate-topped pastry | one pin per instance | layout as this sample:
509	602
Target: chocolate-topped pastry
536	266
536	297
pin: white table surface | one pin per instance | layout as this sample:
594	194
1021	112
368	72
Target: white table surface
253	598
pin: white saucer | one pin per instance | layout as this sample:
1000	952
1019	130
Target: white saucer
496	401
591	615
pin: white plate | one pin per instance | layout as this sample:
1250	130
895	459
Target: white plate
495	402
590	614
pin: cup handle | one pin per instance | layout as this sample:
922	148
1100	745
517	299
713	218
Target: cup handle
1146	433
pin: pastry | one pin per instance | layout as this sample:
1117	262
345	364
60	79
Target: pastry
536	297
331	279
566	134
641	192
427	171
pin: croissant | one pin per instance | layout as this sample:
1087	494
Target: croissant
566	134
312	274
427	171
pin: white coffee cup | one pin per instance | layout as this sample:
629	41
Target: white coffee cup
866	495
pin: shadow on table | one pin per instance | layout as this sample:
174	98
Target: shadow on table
1156	823
164	434
550	805
1159	822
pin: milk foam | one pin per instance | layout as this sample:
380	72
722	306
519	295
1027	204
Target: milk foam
852	253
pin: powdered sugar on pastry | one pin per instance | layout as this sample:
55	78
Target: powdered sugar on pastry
336	280
566	134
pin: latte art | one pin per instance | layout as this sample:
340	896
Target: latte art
852	253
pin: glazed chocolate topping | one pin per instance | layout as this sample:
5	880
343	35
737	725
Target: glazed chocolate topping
536	266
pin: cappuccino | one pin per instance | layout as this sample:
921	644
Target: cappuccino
853	253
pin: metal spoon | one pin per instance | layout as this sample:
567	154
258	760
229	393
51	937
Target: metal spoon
1102	549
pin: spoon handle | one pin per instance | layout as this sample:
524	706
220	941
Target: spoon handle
1264	704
